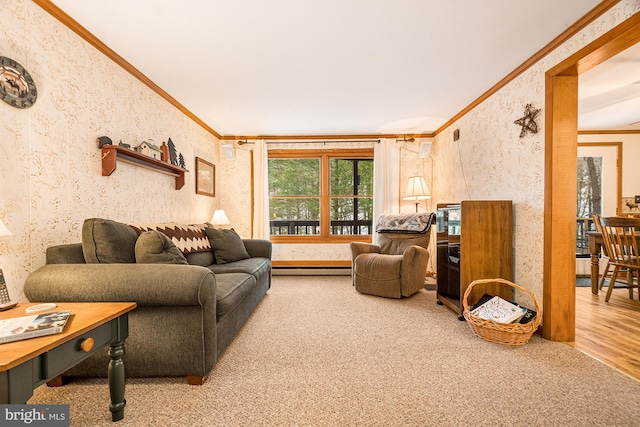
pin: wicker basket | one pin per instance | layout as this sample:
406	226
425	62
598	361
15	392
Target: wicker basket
501	333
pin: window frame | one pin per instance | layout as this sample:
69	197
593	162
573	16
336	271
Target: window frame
325	157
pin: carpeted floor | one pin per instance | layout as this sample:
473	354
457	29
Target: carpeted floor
317	353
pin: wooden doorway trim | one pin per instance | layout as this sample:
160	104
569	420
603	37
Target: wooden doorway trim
561	136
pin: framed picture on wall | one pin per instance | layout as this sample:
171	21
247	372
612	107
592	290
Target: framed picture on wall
629	206
205	178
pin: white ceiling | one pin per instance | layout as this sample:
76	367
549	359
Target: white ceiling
305	67
609	94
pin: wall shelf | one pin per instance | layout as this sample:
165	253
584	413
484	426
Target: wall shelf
111	154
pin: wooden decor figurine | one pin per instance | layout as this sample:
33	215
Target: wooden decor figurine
149	149
164	155
528	122
104	140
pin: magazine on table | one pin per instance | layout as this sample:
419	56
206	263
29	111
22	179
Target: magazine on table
36	325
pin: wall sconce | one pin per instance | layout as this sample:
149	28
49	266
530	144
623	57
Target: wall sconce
220	218
417	190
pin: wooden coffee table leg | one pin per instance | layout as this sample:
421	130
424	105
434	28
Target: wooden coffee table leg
116	381
56	382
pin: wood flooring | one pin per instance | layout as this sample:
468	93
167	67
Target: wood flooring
609	331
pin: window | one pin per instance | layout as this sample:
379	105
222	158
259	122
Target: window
589	200
320	195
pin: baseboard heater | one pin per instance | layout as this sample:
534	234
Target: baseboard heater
311	268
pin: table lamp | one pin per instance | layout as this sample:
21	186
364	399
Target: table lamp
417	190
220	218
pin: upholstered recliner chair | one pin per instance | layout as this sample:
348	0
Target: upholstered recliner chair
396	267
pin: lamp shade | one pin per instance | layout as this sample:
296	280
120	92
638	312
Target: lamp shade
417	189
220	218
4	231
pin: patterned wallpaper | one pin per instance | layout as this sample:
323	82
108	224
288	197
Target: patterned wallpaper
50	166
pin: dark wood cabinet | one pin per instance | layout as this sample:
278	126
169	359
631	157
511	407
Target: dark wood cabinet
474	241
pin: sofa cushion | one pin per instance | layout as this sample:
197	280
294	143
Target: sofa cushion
253	266
227	245
106	242
188	238
155	247
231	290
203	259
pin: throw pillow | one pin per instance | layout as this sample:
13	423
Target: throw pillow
188	238
227	245
154	247
106	242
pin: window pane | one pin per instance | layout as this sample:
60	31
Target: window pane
294	216
365	172
351	176
294	177
589	200
345	221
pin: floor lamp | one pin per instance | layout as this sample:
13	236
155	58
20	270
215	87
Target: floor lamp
417	190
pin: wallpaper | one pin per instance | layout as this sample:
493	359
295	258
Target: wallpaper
50	165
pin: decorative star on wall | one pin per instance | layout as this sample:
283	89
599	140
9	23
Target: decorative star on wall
528	122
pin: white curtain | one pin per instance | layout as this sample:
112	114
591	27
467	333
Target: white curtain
260	191
386	177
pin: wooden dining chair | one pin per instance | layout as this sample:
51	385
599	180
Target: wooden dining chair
622	239
606	274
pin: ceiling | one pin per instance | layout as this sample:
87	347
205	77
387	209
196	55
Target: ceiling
340	67
609	94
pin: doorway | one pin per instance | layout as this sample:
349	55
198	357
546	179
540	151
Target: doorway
561	131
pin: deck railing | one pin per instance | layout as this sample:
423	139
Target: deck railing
582	240
298	228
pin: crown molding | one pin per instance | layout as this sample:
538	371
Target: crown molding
329	137
609	132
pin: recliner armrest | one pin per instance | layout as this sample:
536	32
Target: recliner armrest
414	269
358	248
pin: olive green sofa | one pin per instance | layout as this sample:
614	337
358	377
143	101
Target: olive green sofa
191	301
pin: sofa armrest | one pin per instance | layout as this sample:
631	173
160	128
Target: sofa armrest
145	284
358	248
65	254
258	248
